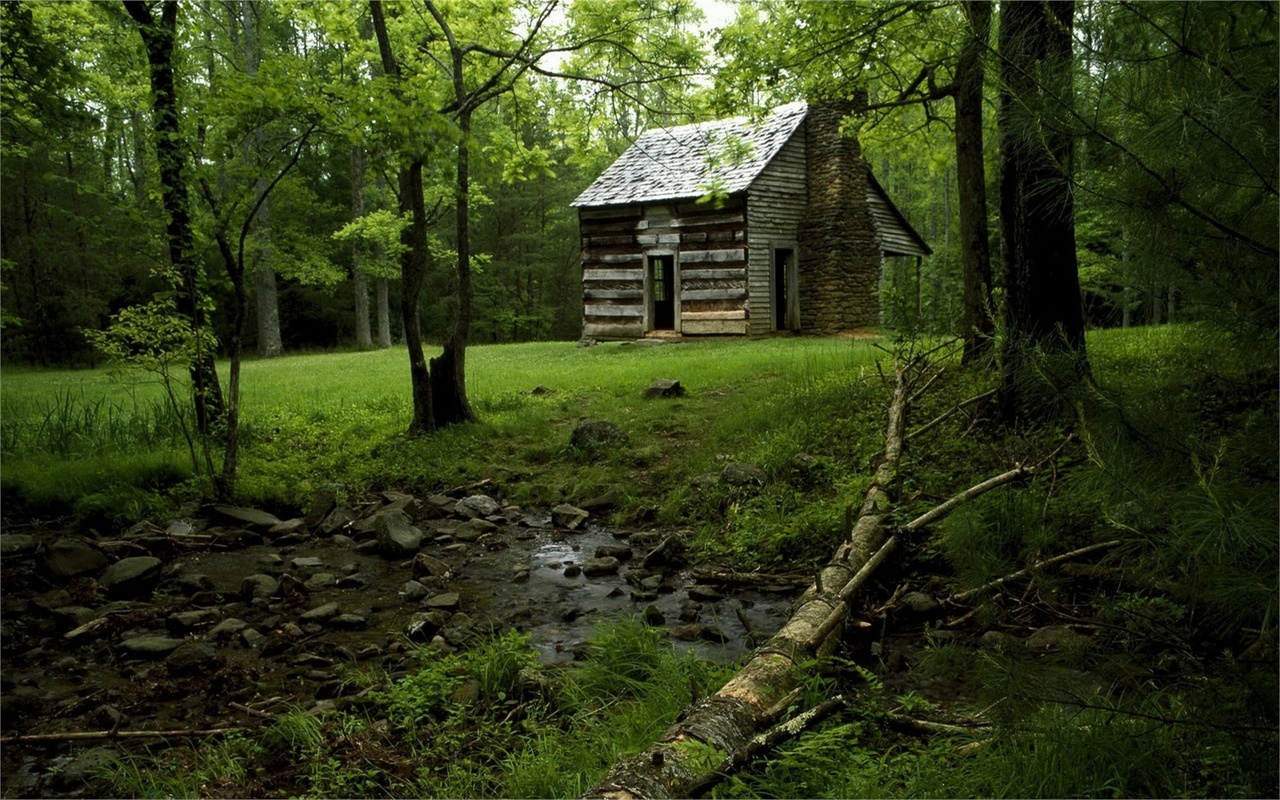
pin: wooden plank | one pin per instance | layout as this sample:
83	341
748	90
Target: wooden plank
714	256
620	258
613	294
713	327
657	238
590	274
710	219
613	311
607	240
731	274
609	212
695	316
713	294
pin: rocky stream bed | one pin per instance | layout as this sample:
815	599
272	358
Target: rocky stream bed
228	615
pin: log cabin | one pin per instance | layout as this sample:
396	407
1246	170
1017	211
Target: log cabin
739	227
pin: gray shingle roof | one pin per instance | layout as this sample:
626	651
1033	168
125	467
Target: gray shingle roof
685	162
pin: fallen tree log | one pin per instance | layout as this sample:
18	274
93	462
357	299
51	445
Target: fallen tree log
717	726
720	729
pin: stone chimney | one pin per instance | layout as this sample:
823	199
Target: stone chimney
840	254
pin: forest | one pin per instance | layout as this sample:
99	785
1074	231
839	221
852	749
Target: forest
312	485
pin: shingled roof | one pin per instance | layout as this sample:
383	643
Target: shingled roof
685	162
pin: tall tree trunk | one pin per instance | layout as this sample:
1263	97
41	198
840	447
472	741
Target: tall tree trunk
359	281
382	307
448	370
1043	311
413	262
971	180
158	38
266	297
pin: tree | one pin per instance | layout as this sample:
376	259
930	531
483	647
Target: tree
159	37
1037	223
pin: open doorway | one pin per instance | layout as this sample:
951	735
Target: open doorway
786	303
662	296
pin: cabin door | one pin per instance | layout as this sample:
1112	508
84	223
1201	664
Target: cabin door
786	301
662	295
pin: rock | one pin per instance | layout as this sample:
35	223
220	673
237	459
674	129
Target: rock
477	505
919	603
664	388
227	628
307	562
667	552
442	503
572	571
349	621
473	529
336	520
1052	638
54	598
150	646
652	616
691	632
85	767
75	616
270	560
252	637
431	566
289	526
319	581
186	621
342	540
423	626
413	591
67	558
539	390
998	640
618	551
235	538
192	657
445	602
322	502
397	537
643	596
354	581
13	545
258	585
466	693
110	718
689	610
251	517
736	474
596	567
193	582
320	613
609	498
593	435
707	594
130	577
369	524
567	516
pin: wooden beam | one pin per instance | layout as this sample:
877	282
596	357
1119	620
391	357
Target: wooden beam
714	294
613	311
712	256
713	327
613	294
695	274
697	316
590	274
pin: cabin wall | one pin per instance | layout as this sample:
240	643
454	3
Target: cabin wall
840	254
776	204
710	248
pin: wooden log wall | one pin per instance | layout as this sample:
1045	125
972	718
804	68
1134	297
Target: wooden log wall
776	203
710	245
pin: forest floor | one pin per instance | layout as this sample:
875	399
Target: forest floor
555	606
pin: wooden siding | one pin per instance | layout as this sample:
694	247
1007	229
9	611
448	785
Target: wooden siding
896	238
710	278
776	203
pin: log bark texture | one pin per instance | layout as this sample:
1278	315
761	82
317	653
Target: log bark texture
714	728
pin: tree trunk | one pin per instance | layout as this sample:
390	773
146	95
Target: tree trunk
413	262
158	38
971	180
266	298
359	281
1043	313
729	719
448	370
383	310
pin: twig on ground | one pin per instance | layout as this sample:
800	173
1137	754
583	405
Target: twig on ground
75	736
1048	562
949	412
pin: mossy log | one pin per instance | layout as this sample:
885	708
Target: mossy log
720	724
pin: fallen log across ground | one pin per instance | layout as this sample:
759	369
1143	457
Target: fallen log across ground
715	729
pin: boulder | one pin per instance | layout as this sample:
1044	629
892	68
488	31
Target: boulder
322	502
477	505
251	517
307	562
397	537
707	594
424	564
473	529
919	603
258	585
320	613
130	577
319	581
191	657
736	474
618	551
592	435
567	516
423	626
664	388
413	591
596	567
336	520
609	498
150	646
444	602
17	544
227	628
289	526
67	558
349	622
